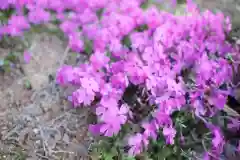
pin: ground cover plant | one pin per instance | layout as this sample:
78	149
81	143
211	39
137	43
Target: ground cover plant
157	82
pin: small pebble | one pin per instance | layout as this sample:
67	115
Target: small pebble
36	131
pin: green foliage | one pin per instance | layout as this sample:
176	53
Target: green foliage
142	28
197	139
88	46
27	84
99	13
126	41
4	15
6	62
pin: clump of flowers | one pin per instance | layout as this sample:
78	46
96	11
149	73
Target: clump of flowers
177	63
171	63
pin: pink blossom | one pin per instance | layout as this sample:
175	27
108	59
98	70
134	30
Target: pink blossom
150	130
218	139
169	133
234	124
38	16
81	96
87	16
89	84
136	143
110	129
27	57
99	60
65	75
172	67
68	27
75	43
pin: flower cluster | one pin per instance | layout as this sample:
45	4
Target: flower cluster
180	62
174	57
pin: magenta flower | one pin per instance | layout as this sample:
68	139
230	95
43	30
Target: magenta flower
119	81
16	25
65	75
81	96
150	130
38	16
89	84
218	100
218	139
169	134
69	27
99	60
123	113
162	118
234	124
94	129
27	56
75	43
152	19
115	45
110	129
171	66
136	143
87	17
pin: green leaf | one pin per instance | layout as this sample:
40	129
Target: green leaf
99	13
11	57
142	28
27	84
126	41
108	156
229	57
6	62
145	4
129	158
88	46
164	153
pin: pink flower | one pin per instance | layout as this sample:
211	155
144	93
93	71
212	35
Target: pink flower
153	18
164	62
27	56
108	102
89	84
115	45
119	81
162	118
87	16
38	16
169	133
16	25
218	100
65	75
234	124
136	143
68	27
81	96
206	156
150	130
110	129
75	42
123	112
99	60
94	128
139	40
24	2
218	139
126	24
